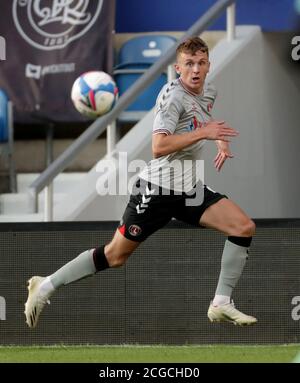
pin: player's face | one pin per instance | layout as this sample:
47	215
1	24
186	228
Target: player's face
193	70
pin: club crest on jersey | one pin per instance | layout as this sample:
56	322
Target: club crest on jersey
194	124
134	230
190	127
209	107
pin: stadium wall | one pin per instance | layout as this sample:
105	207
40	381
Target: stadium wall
160	296
144	16
258	94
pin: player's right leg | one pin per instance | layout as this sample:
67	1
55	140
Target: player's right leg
86	264
228	218
219	213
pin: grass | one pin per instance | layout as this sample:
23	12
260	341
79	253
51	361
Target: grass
149	354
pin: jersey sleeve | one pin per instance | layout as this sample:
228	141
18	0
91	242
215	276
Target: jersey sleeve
211	92
168	111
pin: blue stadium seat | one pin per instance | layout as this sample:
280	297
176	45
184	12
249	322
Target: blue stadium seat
3	116
7	136
135	57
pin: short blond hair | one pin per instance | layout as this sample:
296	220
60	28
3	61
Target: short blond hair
192	45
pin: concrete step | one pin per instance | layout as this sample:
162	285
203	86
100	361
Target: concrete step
15	204
22	217
30	155
62	182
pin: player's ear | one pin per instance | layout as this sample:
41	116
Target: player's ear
177	68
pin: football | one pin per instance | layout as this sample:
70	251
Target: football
94	93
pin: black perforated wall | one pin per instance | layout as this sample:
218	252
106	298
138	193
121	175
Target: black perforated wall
160	296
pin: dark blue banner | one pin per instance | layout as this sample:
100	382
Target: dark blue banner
48	45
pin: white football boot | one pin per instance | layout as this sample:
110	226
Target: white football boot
228	313
35	302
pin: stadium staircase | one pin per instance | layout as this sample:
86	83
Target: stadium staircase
30	161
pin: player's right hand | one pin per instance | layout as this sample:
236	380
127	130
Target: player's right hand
218	130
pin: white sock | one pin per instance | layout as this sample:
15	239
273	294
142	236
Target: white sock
221	300
46	287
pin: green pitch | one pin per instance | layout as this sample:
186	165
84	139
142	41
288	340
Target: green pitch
148	354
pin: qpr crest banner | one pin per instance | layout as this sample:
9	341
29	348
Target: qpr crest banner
48	44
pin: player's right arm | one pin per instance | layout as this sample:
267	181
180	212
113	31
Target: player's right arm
164	144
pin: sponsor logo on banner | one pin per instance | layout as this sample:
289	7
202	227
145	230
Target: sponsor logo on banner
50	25
37	71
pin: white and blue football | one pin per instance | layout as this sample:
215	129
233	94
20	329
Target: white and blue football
94	93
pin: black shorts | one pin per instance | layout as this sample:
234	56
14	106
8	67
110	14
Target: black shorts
150	208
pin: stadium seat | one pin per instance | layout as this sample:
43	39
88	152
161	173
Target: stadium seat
7	136
134	58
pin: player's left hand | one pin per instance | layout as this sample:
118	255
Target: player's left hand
223	153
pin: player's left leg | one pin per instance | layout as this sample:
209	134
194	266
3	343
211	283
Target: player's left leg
228	218
136	226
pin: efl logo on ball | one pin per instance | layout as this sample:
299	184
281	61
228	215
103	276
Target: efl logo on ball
94	93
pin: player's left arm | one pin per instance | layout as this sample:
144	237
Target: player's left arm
224	152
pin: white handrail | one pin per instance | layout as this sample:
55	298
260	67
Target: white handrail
111	137
48	212
230	11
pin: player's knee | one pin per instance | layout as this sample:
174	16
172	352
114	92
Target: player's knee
247	229
116	258
117	261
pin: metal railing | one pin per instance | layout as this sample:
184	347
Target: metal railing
100	125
